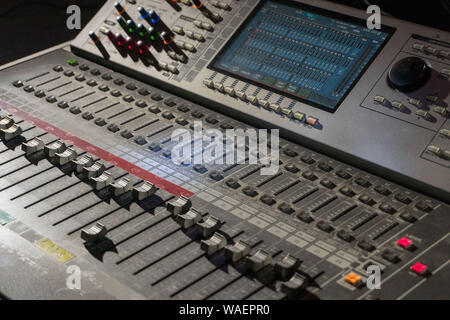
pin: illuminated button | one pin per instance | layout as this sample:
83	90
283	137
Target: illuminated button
167	38
209	83
264	103
418	46
230	91
397	105
405	243
219	87
72	62
445	73
241	95
252	99
444	133
312	121
422	113
275	107
419	268
299	116
197	4
415	102
154	17
354	279
379	99
287	112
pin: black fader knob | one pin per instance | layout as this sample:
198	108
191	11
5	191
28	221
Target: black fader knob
409	74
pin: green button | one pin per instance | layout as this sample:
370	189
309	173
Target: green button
72	62
299	116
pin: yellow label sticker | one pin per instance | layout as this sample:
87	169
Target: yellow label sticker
54	250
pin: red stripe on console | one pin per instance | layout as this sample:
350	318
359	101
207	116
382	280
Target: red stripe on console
94	150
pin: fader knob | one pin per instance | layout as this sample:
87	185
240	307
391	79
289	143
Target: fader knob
144	191
409	74
33	146
179	206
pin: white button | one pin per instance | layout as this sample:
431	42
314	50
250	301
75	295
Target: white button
422	113
445	133
418	46
209	83
445	73
241	95
397	105
173	69
264	103
441	110
230	91
415	102
379	99
178	29
430	50
207	26
199	37
252	99
219	87
189	47
275	107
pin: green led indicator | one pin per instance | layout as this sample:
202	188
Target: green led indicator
72	62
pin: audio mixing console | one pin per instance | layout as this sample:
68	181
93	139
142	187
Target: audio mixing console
87	176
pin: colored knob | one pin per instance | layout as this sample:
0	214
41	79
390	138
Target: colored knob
197	4
131	25
153	34
144	13
119	8
154	18
120	40
96	40
166	37
121	22
131	45
409	74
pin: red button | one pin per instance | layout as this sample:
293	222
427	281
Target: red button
311	121
419	268
405	242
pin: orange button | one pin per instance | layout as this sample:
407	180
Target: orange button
354	279
312	121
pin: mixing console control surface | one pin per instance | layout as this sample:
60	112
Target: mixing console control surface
86	180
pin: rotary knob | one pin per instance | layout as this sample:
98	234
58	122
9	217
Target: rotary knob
409	74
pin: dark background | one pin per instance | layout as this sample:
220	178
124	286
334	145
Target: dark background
29	26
